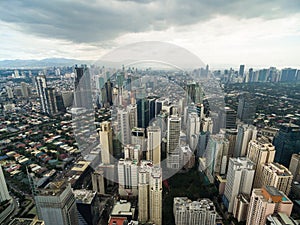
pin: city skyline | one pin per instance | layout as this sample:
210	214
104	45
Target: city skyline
261	33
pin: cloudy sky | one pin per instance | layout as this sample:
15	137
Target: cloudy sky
220	32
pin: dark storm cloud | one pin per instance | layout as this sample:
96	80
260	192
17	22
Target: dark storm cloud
102	20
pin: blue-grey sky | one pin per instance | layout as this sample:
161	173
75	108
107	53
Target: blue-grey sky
221	32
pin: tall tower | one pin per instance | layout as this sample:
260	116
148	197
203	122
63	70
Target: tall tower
286	143
239	180
244	135
156	196
51	105
193	129
4	195
98	181
295	166
174	126
143	198
41	85
82	88
154	144
132	111
246	108
194	93
106	142
123	126
56	204
128	177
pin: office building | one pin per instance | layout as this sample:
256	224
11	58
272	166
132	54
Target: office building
154	144
4	194
128	177
88	206
239	178
228	118
216	156
288	75
295	166
41	85
246	108
241	70
187	212
194	93
82	88
193	129
245	134
98	182
124	133
133	152
286	143
230	135
55	204
106	142
143	196
173	134
266	201
275	174
132	112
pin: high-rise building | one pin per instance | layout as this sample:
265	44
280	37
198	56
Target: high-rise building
266	201
202	143
51	104
240	207
88	206
98	182
193	129
216	156
56	204
154	144
25	90
173	134
4	194
194	93
288	75
295	167
286	143
142	111
41	85
155	184
133	152
275	174
132	112
230	135
187	212
82	88
228	118
143	196
128	177
241	70
244	135
280	219
123	126
138	137
106	142
246	108
260	152
239	178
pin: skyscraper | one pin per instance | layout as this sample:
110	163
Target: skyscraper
128	177
286	143
82	88
155	184
41	85
246	108
106	142
241	71
194	93
239	177
154	144
244	135
264	202
98	181
123	126
4	195
56	204
132	111
143	196
174	126
193	129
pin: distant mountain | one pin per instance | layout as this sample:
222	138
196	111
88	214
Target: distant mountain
49	62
